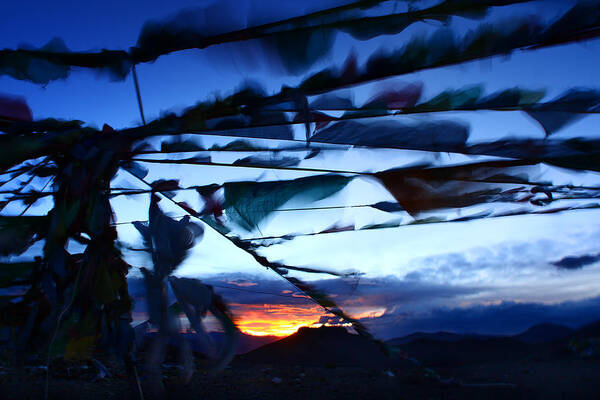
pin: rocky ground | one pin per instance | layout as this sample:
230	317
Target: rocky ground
333	364
534	378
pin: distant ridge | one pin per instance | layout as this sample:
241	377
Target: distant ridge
544	341
543	333
540	333
588	331
440	336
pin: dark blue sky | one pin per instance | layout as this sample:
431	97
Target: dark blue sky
179	80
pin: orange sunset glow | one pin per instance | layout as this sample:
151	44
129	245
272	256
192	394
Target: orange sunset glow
274	319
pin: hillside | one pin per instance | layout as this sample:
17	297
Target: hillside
320	346
436	336
540	333
543	333
246	342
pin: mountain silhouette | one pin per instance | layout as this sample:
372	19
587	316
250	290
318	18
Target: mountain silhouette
440	336
324	346
588	331
540	333
543	333
544	341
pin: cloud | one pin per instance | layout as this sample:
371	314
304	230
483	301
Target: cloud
499	289
241	283
333	320
485	264
272	306
369	292
277	306
274	319
515	271
371	295
391	306
577	262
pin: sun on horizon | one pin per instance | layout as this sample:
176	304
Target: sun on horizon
275	319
